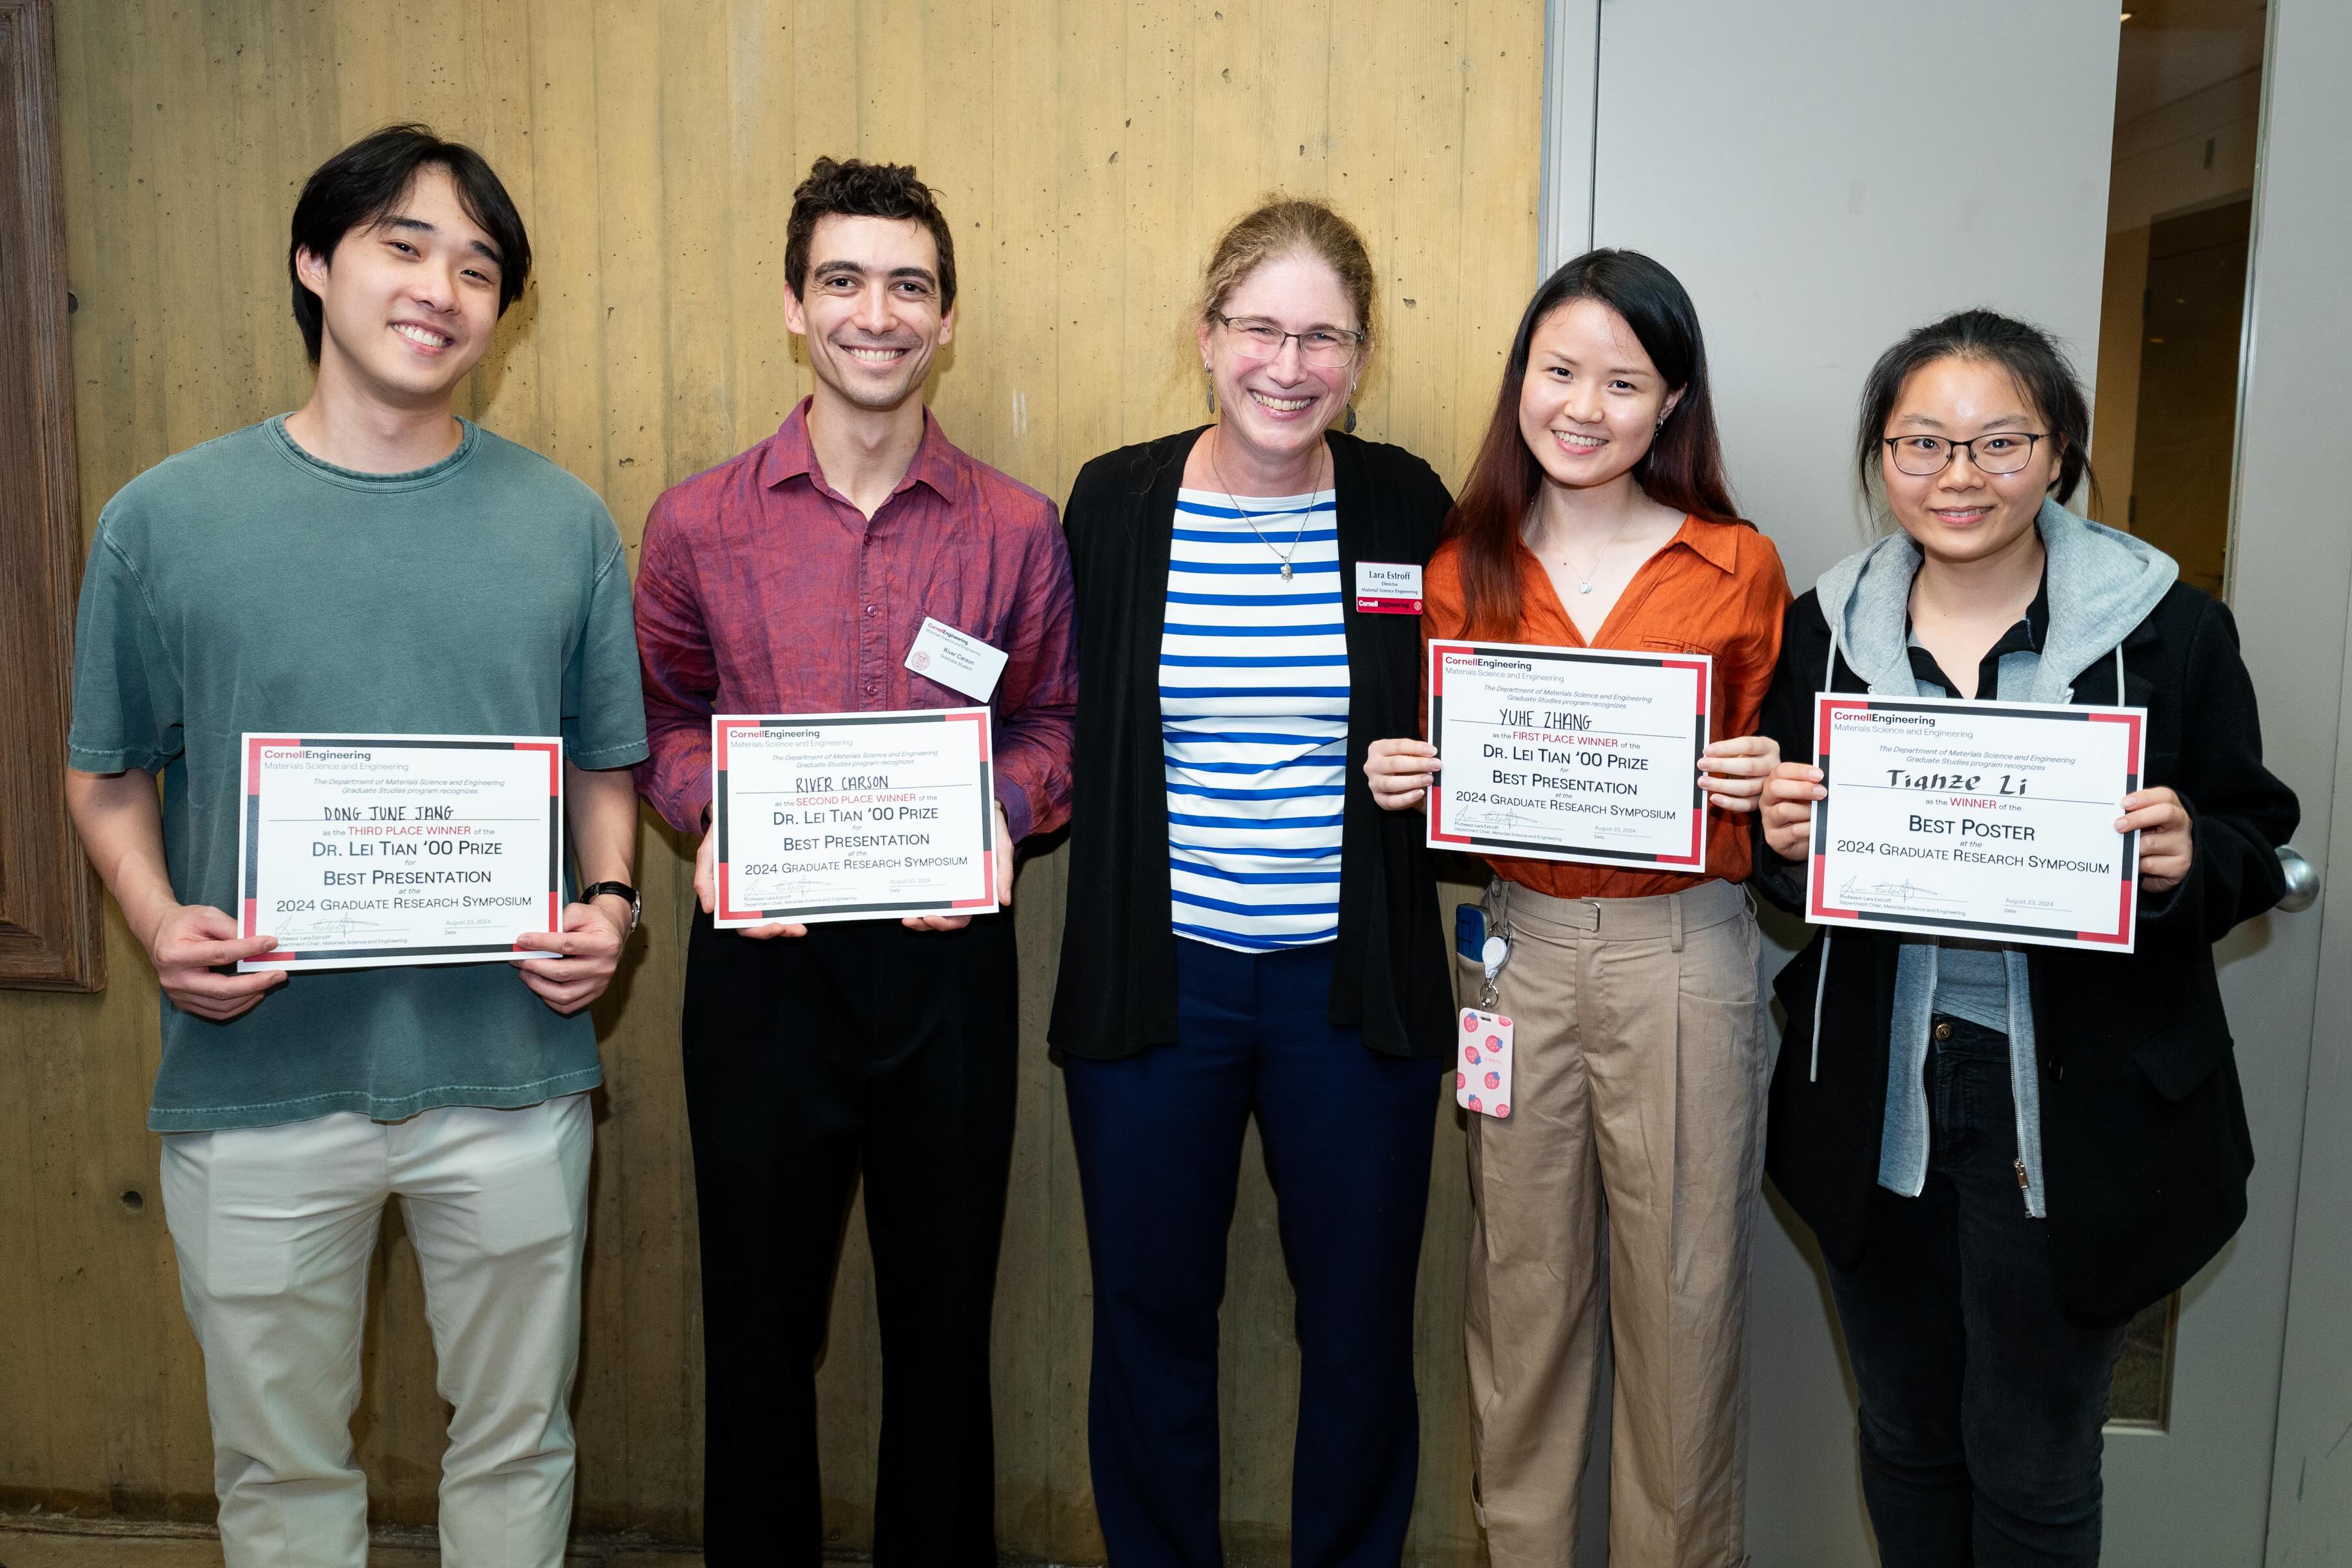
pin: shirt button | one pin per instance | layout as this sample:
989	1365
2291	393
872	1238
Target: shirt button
871	609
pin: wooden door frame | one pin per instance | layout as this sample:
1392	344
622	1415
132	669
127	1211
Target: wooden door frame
51	906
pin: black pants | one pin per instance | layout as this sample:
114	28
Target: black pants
1981	1401
860	1044
1158	1143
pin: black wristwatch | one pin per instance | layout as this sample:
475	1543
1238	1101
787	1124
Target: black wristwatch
619	890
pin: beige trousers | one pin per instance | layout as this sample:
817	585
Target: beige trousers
1638	1101
274	1225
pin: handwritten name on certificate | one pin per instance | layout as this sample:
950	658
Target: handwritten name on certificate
1993	820
364	850
846	816
1558	753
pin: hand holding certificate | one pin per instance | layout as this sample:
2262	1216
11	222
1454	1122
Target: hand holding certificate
1558	753
361	850
840	817
1993	820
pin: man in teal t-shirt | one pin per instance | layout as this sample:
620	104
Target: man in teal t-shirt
368	563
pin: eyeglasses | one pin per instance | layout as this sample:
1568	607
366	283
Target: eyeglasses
1325	348
2002	452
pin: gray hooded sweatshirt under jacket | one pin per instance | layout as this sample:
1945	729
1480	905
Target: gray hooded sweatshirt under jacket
2101	584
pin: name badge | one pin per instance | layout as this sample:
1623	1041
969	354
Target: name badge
956	660
1482	1064
1387	588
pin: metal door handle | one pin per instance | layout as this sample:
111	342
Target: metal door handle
2302	880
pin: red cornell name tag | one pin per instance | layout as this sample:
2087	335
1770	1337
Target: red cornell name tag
1387	588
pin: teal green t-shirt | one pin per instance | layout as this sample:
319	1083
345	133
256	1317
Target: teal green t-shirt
243	584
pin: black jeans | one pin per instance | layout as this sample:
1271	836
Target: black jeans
1981	1401
867	1045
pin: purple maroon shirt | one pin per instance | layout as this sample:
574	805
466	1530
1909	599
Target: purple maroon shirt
761	590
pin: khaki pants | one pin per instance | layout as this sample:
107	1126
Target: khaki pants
274	1226
1638	1099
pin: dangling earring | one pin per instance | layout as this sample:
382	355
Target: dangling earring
1349	427
1212	390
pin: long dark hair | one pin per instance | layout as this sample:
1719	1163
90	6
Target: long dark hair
2031	356
1683	468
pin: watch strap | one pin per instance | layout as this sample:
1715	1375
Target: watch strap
619	890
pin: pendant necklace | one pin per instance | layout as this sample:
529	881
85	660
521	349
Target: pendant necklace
1583	580
1304	517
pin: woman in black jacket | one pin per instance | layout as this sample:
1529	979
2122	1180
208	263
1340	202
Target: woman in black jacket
2007	1151
1248	934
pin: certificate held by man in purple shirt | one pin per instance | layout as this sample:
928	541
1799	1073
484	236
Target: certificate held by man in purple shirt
848	817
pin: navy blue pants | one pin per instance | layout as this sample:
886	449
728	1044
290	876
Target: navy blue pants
1158	1141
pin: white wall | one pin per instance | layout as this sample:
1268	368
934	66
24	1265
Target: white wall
2294	562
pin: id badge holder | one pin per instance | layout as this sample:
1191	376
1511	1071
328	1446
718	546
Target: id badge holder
1483	1053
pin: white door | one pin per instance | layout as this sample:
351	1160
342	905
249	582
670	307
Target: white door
1823	177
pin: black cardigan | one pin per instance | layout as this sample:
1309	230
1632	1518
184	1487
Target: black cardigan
1117	993
2144	1137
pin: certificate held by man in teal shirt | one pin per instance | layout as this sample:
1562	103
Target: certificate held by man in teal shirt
359	850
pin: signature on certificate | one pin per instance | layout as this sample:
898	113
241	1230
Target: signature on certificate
1902	895
332	929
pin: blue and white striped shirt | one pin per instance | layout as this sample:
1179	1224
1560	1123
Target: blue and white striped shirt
1253	720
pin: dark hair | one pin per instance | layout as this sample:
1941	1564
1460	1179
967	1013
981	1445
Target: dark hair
852	187
2031	356
358	188
1683	468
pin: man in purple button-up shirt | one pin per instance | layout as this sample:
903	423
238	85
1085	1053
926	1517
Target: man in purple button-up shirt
793	578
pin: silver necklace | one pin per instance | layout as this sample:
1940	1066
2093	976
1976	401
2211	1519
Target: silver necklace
1304	517
1584	581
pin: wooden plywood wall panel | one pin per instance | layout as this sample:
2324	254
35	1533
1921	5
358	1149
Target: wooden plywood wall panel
1087	152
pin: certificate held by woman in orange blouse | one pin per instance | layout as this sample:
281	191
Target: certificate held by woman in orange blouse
1561	753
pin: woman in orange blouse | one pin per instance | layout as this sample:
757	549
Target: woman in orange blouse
1597	516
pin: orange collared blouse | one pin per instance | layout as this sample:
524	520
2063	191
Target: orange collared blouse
1714	588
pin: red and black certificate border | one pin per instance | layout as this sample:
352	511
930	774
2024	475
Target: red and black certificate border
1702	670
721	728
1817	906
250	873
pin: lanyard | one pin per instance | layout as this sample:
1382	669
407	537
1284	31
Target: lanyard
1495	956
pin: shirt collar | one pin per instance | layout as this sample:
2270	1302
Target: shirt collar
790	456
2037	614
1717	543
2026	635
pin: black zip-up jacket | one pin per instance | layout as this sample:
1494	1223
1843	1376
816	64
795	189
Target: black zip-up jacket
2145	1147
1116	994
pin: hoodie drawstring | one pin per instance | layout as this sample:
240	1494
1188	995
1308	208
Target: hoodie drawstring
1822	983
